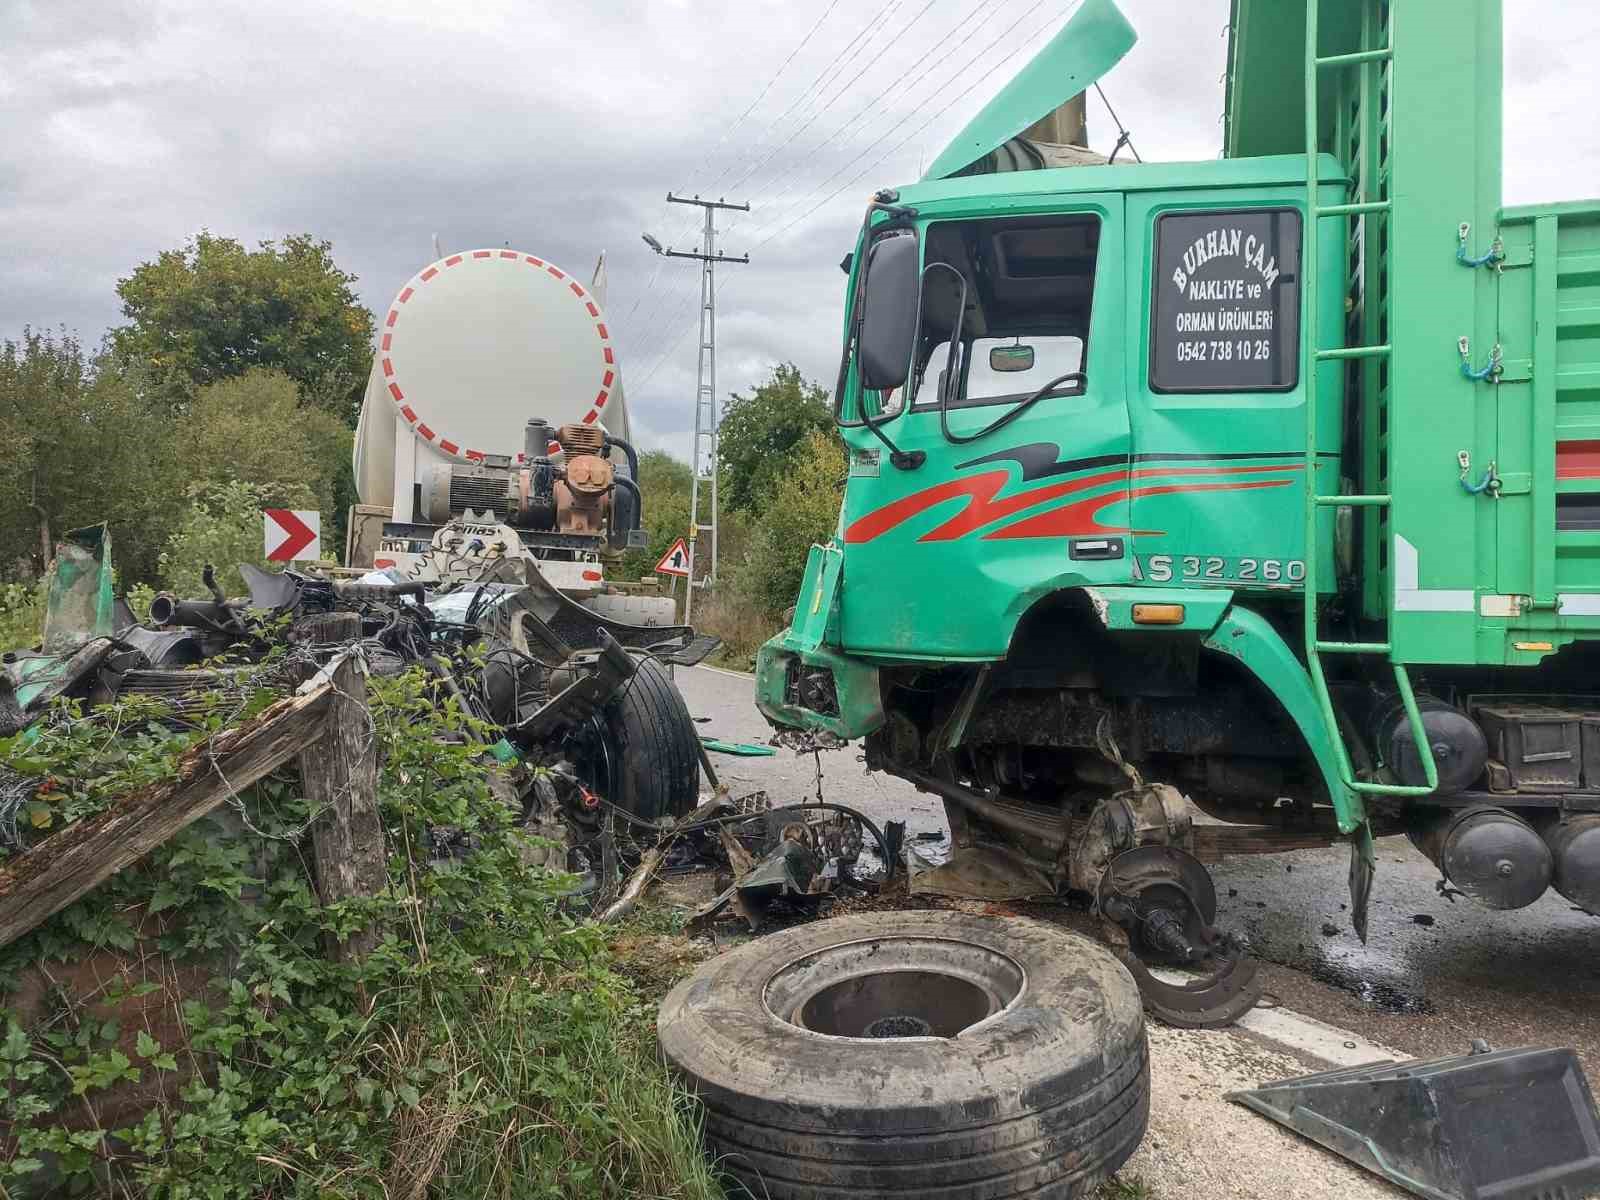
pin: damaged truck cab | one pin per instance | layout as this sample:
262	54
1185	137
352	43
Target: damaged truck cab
1263	480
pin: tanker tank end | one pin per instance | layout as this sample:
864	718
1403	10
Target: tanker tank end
447	443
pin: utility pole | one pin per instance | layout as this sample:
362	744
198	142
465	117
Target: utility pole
703	463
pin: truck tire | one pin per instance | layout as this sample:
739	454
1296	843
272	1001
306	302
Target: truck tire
842	1060
652	746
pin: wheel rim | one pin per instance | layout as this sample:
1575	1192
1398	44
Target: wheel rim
896	987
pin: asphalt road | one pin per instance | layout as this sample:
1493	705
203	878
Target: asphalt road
1432	976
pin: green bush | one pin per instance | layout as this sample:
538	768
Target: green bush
223	527
81	443
804	509
21	615
485	1048
761	434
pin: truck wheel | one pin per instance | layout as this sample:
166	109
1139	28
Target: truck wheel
914	1054
652	747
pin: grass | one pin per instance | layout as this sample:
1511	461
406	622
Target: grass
741	624
1131	1188
593	1115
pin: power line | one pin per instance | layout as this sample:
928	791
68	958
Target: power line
954	100
674	298
665	356
811	88
830	73
647	292
762	95
904	87
895	123
811	120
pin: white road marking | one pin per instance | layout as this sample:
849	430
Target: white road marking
1332	1045
724	671
1307	1035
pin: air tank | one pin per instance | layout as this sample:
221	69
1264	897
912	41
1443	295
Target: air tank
1574	842
1488	854
1460	751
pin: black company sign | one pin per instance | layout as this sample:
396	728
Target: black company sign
1226	314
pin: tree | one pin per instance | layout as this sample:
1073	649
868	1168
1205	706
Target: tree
804	509
759	434
213	310
664	484
255	430
80	444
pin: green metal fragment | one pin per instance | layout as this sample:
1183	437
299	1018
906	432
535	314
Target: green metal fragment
742	749
1088	46
81	601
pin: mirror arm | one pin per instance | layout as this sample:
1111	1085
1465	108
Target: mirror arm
903	460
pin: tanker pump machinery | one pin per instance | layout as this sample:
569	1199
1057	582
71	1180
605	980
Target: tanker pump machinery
563	482
493	436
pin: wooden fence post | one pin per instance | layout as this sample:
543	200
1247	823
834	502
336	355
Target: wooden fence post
340	771
41	882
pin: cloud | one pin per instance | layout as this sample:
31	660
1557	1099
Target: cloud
559	129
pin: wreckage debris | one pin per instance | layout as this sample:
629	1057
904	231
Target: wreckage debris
771	854
858	1056
580	711
1512	1124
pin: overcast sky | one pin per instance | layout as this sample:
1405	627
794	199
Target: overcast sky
558	127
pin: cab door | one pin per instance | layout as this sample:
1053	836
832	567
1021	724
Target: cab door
1017	494
1217	397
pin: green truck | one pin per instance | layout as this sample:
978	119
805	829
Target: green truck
1272	482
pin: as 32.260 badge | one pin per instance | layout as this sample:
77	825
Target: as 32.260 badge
1217	568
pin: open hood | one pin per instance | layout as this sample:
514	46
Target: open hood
1088	46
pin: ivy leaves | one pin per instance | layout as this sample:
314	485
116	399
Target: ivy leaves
299	1075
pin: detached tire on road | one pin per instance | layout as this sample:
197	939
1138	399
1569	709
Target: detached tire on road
914	1054
653	746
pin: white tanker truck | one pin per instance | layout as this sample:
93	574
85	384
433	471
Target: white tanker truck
493	449
494	433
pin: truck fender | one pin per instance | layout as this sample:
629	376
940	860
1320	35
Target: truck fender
1246	637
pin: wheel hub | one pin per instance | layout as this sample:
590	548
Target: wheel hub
1164	900
899	1025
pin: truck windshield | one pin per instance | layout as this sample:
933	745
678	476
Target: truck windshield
1029	284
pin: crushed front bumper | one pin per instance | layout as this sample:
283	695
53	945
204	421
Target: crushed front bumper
817	689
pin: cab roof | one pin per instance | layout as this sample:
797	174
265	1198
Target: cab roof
1266	171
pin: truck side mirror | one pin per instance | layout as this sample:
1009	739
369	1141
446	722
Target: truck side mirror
889	314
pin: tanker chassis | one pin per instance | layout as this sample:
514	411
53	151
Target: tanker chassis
1272	482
